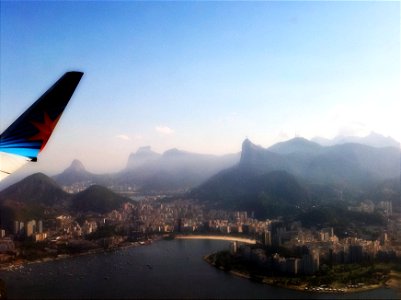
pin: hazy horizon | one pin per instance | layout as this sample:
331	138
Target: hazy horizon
201	76
43	168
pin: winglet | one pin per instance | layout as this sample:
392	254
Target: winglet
28	135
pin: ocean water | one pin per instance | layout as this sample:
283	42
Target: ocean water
164	269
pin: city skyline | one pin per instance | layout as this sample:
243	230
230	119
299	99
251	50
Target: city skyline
201	76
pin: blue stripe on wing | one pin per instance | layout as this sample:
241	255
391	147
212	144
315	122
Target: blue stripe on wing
29	149
25	152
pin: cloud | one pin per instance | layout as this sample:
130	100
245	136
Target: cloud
123	137
164	130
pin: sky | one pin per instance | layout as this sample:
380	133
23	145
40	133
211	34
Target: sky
200	76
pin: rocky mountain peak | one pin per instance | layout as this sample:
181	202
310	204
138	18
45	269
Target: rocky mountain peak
141	156
76	166
248	150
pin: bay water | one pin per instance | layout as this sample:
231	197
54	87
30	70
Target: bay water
164	269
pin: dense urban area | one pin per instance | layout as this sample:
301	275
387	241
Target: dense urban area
282	247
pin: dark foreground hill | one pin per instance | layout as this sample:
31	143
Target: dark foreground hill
30	198
267	195
37	188
97	199
38	196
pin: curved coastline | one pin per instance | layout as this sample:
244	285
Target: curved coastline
133	261
24	262
394	282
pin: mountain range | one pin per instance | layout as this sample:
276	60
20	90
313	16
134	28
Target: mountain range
373	139
349	163
174	170
295	175
287	178
349	160
38	195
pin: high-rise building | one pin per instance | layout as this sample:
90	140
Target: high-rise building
310	263
16	227
40	226
267	238
21	229
30	228
292	265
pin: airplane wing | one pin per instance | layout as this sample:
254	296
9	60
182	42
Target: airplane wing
24	139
